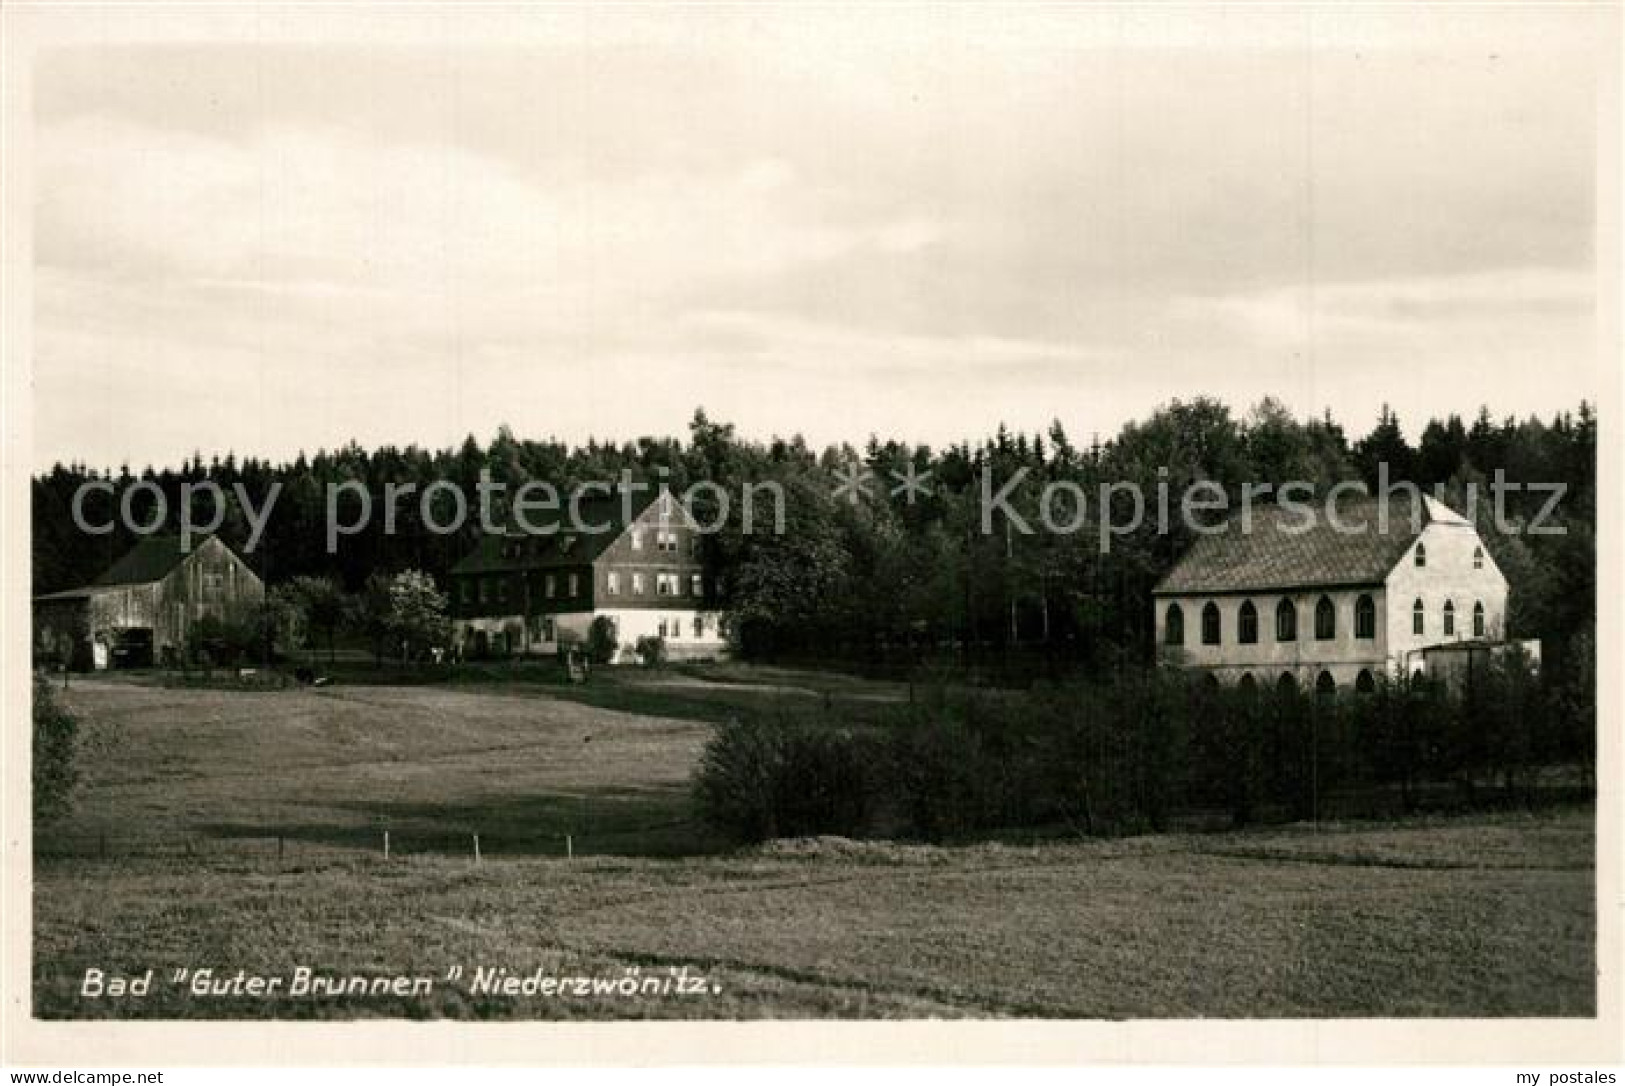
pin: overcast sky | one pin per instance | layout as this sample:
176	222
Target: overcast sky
920	230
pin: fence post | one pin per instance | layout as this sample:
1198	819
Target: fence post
476	848
386	844
279	850
569	848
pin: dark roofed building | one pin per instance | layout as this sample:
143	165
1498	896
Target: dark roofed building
141	608
1331	599
628	557
1300	548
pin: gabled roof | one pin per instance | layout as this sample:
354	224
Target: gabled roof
557	537
1301	547
149	560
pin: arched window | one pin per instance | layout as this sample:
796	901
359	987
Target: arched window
1286	621
1365	618
1478	619
1421	555
1478	557
1210	624
1325	620
1364	683
1449	618
1419	676
1286	684
1173	626
1248	685
1418	617
1247	627
1325	686
1210	683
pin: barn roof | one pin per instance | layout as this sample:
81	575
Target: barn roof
149	560
1301	547
558	539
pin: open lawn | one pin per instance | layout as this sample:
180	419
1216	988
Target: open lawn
191	789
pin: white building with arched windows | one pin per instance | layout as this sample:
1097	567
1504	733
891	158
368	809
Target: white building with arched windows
1292	594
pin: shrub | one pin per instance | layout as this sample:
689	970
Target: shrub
56	733
761	778
651	651
602	641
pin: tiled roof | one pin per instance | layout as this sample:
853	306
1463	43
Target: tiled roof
558	538
149	560
1301	547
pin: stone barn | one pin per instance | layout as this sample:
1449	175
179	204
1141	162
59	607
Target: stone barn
141	609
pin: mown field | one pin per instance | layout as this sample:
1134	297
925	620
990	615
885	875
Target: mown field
243	831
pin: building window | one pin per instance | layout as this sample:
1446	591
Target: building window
1421	555
1173	626
575	583
1210	624
666	541
1287	683
1478	557
1325	686
485	590
1478	619
696	585
637	539
1365	618
1248	686
676	629
550	586
1247	627
1325	620
661	629
1449	618
1364	683
637	584
665	584
1286	621
699	625
1418	617
612	583
502	590
549	634
465	590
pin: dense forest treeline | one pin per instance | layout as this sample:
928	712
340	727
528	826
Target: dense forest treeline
885	573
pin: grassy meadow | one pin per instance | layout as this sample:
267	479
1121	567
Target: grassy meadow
172	860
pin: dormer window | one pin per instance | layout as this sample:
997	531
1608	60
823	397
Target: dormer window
637	539
1478	557
1421	555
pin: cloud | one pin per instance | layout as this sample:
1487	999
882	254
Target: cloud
407	245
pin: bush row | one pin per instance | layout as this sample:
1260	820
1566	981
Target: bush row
1132	753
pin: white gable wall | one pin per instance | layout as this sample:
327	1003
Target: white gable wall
1449	575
